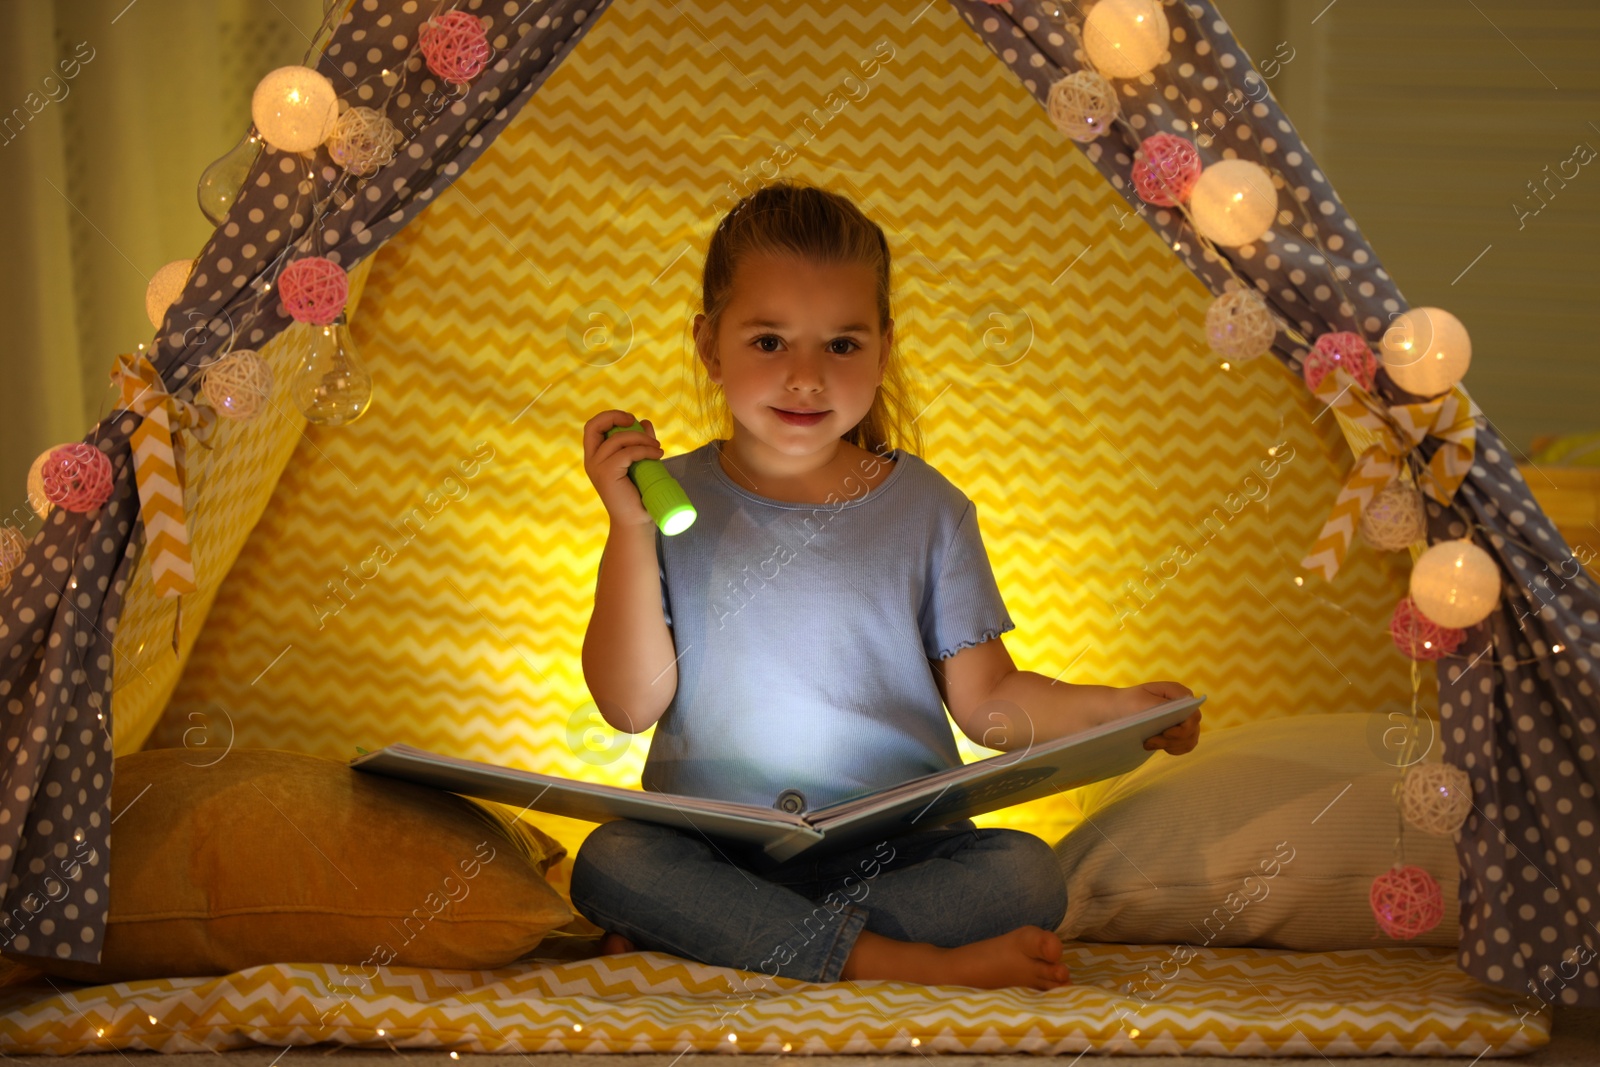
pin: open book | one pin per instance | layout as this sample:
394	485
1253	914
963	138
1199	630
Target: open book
922	803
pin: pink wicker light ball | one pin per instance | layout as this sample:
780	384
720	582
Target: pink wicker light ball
1406	901
1419	636
314	290
1165	169
454	45
77	477
1347	350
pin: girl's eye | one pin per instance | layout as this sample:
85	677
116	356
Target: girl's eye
851	345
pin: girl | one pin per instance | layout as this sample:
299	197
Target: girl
831	599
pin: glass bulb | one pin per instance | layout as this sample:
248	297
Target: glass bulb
332	386
221	182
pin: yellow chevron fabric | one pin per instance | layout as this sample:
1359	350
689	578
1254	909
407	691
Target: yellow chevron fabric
426	574
1225	1002
228	486
1395	431
158	462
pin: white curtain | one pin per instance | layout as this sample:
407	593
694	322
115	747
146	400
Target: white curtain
109	112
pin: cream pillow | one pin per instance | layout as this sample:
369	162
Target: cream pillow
1266	834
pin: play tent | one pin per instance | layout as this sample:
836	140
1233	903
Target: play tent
424	574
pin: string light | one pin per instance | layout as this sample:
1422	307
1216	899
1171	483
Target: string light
1469	525
295	108
1339	274
1454	657
345	184
1426	351
1210	253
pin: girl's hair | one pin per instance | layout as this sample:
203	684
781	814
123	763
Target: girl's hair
790	218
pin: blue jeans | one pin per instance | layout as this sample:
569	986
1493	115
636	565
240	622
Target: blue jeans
702	898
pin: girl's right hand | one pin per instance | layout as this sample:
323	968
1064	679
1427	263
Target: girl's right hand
607	459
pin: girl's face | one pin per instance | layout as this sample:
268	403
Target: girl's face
797	335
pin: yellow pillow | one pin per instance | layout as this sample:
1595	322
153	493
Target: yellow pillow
1268	834
280	857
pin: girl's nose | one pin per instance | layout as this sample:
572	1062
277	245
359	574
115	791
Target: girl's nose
804	371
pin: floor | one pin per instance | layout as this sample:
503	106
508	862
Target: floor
1574	1042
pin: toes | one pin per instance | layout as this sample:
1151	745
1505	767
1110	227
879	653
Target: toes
613	943
1051	977
1046	945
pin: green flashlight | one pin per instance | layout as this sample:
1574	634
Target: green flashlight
663	497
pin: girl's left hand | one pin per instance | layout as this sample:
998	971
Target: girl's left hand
1178	739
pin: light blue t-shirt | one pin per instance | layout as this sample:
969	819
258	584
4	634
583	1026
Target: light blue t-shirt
803	633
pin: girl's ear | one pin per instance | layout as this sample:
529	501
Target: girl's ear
696	329
702	347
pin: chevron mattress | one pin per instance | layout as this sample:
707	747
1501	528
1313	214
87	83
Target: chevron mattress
1128	999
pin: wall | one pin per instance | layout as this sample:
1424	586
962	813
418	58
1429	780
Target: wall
1436	120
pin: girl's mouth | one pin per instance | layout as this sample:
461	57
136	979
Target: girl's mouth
797	419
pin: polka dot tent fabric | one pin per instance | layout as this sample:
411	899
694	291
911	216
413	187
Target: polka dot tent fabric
1517	702
62	606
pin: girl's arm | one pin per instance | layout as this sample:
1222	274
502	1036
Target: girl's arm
630	663
1049	709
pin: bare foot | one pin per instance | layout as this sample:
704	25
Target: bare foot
611	944
1027	956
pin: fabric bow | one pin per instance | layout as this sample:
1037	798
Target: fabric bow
158	469
1398	430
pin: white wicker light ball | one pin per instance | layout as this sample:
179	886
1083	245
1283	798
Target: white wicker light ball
1234	202
1082	105
363	140
1435	797
237	385
1393	519
294	108
13	549
165	286
1125	38
40	503
1426	351
1455	583
1239	325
